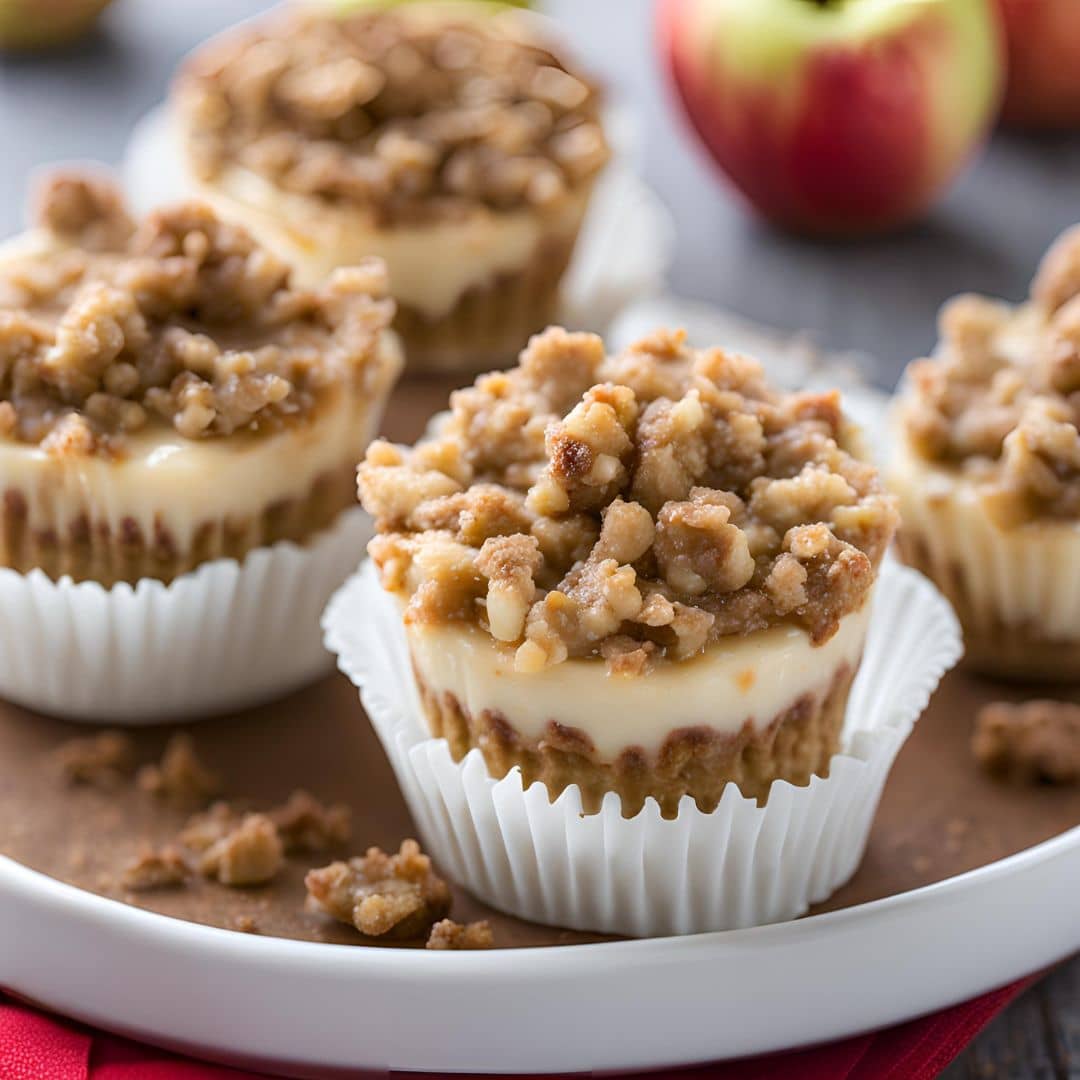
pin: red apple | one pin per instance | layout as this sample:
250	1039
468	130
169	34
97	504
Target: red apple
836	116
1043	40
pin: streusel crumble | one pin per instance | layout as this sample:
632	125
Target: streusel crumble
662	515
449	139
652	502
163	384
988	468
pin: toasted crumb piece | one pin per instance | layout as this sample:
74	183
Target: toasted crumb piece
250	854
306	824
244	924
1033	741
394	896
180	777
447	934
164	869
104	760
206	828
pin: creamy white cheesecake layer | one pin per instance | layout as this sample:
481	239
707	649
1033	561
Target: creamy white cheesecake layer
737	681
1028	575
430	266
182	483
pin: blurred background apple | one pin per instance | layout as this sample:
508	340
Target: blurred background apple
1043	39
836	116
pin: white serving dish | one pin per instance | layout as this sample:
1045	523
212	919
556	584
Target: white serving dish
313	1010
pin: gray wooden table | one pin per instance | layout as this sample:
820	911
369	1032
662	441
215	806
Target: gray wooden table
878	297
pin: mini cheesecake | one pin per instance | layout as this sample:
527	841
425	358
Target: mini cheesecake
647	573
986	465
167	397
448	139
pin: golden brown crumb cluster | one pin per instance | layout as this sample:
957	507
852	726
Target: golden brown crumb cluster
414	112
635	506
184	318
395	896
1002	397
1033	741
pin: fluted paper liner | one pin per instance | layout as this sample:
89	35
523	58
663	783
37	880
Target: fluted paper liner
740	865
225	636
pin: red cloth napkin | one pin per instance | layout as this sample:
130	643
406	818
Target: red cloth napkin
34	1046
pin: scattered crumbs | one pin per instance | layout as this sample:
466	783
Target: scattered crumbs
180	777
921	864
103	761
447	934
394	896
956	829
78	858
307	825
164	869
250	854
243	924
1035	741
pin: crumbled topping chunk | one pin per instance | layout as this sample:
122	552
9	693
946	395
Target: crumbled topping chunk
184	319
249	854
447	934
104	760
415	115
180	777
634	507
1033	741
394	896
306	824
151	870
1001	398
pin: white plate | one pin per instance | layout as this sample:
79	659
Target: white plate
308	1009
623	253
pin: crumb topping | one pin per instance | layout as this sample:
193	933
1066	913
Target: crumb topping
151	870
182	319
447	934
396	896
104	760
416	112
180	777
306	824
251	853
1001	398
635	507
1033	741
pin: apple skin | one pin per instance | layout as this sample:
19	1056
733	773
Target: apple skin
836	120
1043	42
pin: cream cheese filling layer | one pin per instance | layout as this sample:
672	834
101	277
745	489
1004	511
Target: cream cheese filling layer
165	480
430	266
1027	576
739	680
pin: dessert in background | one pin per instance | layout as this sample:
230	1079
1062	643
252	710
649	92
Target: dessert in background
646	573
987	468
168	397
449	139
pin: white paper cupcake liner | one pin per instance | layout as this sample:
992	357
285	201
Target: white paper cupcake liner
226	636
740	865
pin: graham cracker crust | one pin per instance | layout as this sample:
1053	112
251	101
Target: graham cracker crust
999	650
697	761
490	323
89	550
